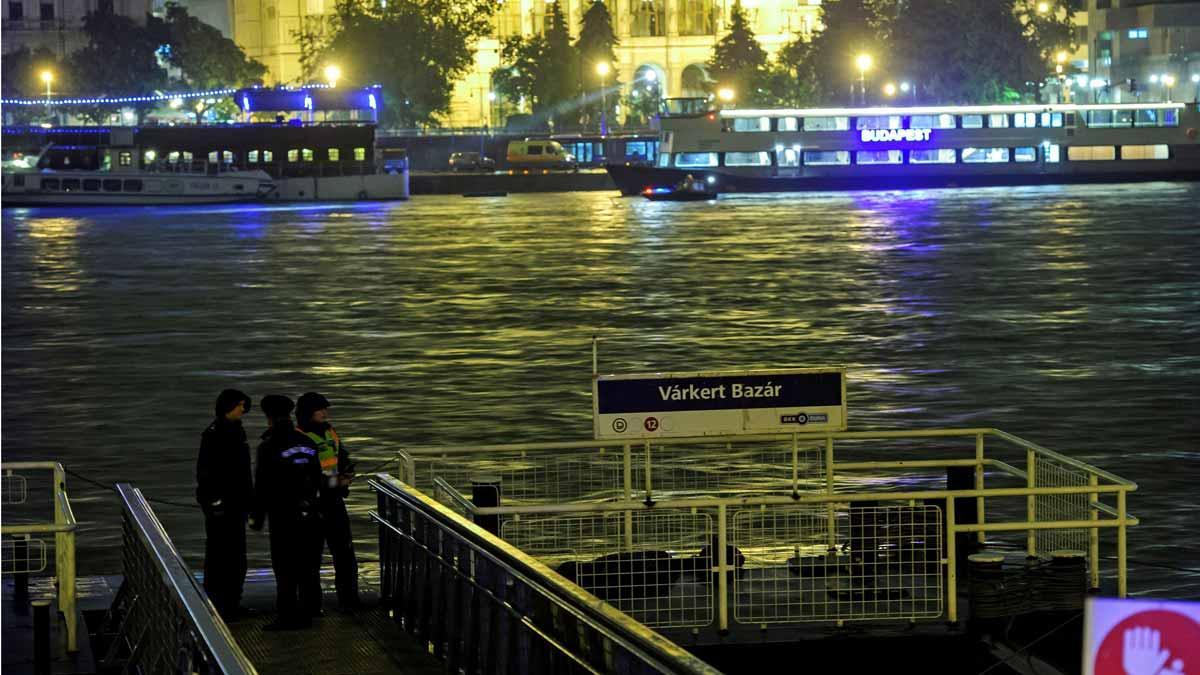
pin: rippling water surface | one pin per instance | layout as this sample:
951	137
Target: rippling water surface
1069	315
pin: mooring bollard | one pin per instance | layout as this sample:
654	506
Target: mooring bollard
41	637
485	493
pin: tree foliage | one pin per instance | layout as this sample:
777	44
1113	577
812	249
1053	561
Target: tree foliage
120	59
204	57
416	49
21	78
543	70
789	80
852	27
596	44
738	60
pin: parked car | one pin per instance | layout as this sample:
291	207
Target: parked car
471	161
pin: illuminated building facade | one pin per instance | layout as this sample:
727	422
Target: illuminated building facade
57	25
1155	43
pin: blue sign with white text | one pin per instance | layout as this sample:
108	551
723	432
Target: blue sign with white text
719	392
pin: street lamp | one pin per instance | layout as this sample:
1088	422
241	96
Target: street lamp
332	74
864	62
602	70
1168	82
889	89
1043	7
725	94
47	77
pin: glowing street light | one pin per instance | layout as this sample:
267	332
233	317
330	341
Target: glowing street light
889	89
1168	82
725	94
47	77
1043	7
332	74
602	69
864	63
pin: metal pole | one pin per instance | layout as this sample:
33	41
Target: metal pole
979	505
951	564
1030	501
1094	535
831	516
603	108
1122	562
722	579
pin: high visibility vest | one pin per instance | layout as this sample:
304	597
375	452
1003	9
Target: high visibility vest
327	449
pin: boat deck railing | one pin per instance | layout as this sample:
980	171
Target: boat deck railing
162	620
794	528
483	605
27	531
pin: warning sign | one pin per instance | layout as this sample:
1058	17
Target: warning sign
1156	637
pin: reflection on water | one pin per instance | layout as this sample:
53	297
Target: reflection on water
1065	314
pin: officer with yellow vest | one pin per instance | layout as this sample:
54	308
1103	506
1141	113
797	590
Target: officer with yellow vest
312	418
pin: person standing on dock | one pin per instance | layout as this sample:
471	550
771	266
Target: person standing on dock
288	475
312	415
225	492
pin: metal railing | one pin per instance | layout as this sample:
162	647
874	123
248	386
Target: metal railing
817	537
166	621
15	491
486	607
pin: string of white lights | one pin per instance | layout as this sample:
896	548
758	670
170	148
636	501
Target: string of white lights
149	98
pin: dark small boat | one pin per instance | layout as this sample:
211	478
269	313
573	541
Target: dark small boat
695	191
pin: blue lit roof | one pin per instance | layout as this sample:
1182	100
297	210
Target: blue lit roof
309	98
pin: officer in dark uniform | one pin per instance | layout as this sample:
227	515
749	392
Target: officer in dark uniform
312	415
289	478
226	494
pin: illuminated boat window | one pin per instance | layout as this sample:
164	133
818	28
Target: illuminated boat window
1100	118
941	156
360	154
789	157
1123	118
1091	153
747	159
879	157
125	159
690	160
998	120
972	121
752	124
188	157
307	154
1025	120
227	156
1050	152
1145	152
1025	154
931	122
212	157
826	123
788	124
826	157
1052	119
268	155
293	155
879	122
1170	117
664	160
984	155
173	157
252	157
334	154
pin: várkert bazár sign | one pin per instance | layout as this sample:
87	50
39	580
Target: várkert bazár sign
719	403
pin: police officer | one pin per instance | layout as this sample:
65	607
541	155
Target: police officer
289	478
226	494
312	415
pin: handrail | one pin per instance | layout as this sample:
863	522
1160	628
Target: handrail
174	573
454	494
621	629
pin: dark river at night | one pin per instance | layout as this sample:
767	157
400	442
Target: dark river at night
1067	315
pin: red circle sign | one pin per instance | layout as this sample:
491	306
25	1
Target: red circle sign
651	424
1154	642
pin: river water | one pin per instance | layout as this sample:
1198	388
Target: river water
1067	315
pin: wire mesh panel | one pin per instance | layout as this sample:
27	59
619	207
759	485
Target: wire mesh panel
23	555
14	489
531	477
886	564
1061	507
724	469
655	566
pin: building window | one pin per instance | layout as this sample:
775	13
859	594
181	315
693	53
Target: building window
334	154
1138	33
1091	153
752	124
1145	152
941	156
360	154
984	155
879	157
826	123
16	11
1025	154
648	18
47	11
826	157
696	17
747	159
688	160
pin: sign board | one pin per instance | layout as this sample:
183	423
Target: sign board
1124	635
661	405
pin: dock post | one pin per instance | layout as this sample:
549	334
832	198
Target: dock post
485	493
41	637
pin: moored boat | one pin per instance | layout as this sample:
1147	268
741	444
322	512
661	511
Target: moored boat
136	187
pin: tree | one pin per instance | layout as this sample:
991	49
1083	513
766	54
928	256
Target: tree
517	81
596	45
416	49
789	81
541	69
21	78
738	61
120	59
206	59
852	27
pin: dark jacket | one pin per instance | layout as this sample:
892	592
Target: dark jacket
223	481
288	474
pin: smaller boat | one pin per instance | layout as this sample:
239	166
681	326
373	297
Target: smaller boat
687	190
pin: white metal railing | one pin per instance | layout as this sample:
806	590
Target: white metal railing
751	486
62	527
